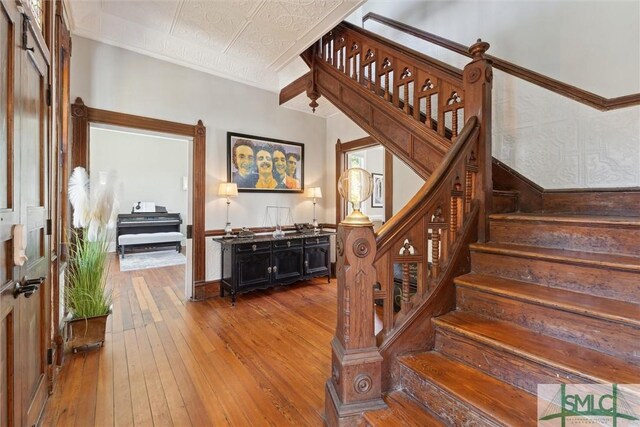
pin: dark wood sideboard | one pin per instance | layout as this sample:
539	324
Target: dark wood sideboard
265	261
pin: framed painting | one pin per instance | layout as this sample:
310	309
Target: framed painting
377	196
260	164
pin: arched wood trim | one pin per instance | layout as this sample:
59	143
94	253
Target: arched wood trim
342	149
83	116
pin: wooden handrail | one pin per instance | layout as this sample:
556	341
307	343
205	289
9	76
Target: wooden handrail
426	233
416	207
564	89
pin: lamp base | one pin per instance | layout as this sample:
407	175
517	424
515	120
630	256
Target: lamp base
357	219
228	230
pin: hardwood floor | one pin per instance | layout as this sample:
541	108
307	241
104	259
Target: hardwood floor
167	361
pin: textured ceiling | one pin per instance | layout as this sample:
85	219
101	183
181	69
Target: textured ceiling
244	40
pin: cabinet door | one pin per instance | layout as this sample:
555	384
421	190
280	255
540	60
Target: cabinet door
287	265
254	269
316	260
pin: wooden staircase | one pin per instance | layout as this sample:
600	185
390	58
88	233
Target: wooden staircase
541	298
550	299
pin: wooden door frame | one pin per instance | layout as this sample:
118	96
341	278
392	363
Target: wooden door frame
82	117
342	150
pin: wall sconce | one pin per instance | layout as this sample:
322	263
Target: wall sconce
355	186
314	193
228	189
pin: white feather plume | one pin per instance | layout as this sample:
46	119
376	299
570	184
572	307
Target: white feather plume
96	211
79	196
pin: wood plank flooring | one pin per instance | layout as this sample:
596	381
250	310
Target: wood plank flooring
171	362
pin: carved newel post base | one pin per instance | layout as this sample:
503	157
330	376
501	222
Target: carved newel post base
356	364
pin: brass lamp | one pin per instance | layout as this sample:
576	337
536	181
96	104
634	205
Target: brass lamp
314	193
228	190
355	186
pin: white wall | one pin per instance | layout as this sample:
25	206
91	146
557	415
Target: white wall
405	181
594	45
111	78
138	176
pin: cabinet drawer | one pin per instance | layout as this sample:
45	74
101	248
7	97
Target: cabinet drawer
312	241
287	243
253	247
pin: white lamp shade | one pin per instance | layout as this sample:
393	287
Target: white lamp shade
228	189
315	192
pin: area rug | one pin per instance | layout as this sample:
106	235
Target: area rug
156	259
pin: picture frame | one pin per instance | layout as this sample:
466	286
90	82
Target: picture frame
377	195
255	164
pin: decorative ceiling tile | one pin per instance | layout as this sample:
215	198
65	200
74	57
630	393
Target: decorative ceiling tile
156	15
212	23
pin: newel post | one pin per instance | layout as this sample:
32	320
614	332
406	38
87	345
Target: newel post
355	385
478	78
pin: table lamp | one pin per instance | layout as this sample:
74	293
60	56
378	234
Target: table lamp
228	190
314	193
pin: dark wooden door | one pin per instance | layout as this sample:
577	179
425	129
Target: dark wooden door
24	194
287	264
254	269
316	260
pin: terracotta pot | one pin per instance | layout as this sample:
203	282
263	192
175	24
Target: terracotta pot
86	333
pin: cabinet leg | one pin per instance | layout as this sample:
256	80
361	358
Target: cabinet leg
221	291
233	298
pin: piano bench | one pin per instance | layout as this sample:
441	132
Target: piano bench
150	239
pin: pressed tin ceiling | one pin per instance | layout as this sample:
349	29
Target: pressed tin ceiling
244	40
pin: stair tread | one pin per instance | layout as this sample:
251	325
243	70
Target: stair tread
485	393
595	259
570	357
569	218
595	306
402	411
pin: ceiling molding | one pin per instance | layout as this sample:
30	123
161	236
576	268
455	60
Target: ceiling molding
248	41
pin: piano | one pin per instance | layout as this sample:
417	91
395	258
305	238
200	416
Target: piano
147	223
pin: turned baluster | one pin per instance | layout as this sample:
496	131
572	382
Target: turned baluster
435	252
454	125
468	179
406	280
456	196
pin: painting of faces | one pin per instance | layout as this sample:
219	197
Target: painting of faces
263	164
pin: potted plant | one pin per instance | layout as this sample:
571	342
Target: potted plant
87	298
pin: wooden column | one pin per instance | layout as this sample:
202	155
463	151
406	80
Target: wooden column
80	145
478	78
355	383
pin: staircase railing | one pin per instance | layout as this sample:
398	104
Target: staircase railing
564	89
415	246
416	107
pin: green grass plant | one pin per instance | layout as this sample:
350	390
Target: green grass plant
85	291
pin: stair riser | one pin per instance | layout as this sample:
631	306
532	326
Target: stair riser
620	285
504	204
507	367
452	411
613	338
578	237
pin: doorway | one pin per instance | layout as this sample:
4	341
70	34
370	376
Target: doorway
155	191
84	117
368	154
